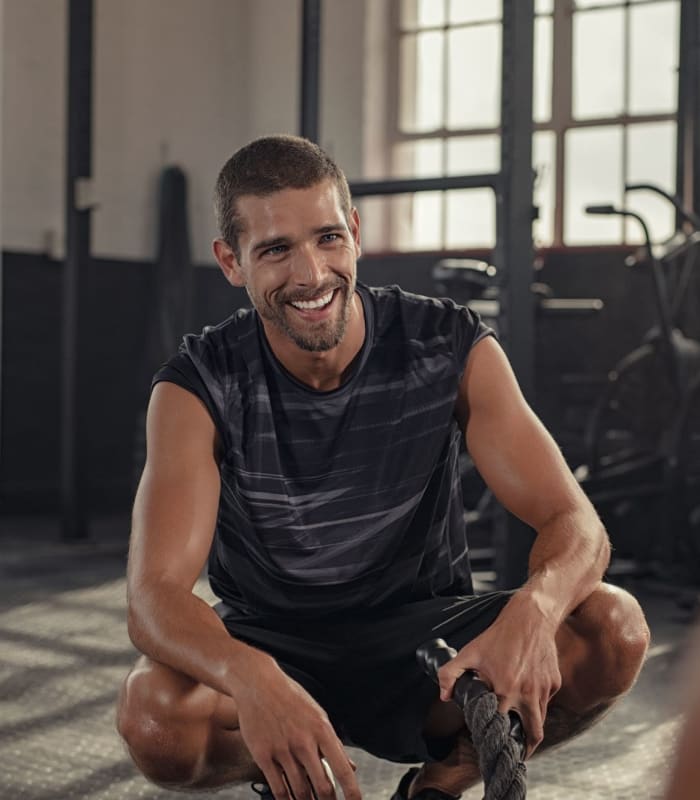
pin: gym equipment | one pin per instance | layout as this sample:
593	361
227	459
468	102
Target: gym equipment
499	740
477	284
171	294
643	436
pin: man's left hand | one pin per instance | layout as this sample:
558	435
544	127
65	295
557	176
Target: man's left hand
517	657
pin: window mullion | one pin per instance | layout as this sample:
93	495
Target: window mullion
562	102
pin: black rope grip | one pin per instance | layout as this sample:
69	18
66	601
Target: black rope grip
436	653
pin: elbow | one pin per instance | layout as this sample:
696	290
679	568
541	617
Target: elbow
137	618
134	626
603	547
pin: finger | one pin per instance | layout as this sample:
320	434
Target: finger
298	787
274	777
530	717
447	677
533	724
343	770
320	778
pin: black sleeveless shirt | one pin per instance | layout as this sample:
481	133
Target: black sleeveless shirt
345	500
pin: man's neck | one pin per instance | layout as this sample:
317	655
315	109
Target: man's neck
327	370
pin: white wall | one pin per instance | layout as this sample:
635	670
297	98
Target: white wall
168	89
33	120
176	81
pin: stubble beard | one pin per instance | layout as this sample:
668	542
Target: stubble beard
315	338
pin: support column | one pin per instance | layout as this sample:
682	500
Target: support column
688	148
77	263
514	254
310	69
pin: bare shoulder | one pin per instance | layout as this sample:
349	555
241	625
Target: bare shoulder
488	383
177	500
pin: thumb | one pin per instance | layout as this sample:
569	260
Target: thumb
447	677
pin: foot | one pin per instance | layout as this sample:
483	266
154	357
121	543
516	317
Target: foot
406	790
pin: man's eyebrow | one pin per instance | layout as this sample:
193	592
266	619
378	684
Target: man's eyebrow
337	227
274	242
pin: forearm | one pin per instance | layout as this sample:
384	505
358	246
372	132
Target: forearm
568	559
171	625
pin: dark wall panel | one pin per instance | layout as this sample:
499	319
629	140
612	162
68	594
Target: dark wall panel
573	356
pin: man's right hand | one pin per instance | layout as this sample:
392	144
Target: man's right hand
287	734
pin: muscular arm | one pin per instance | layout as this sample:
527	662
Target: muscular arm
522	465
524	468
173	527
172	531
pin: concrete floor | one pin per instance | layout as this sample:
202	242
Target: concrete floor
64	650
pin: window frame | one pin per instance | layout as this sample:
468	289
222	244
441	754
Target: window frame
561	118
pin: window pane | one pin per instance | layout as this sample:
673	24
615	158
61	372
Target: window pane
589	3
593	176
542	87
651	158
426	223
421	159
471	218
422	13
474	11
472	155
421	82
544	6
544	156
598	64
654	37
474	77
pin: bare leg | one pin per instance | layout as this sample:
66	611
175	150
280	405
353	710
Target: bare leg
601	650
179	732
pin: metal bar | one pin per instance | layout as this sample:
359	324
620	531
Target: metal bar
410	185
78	165
514	249
310	69
688	147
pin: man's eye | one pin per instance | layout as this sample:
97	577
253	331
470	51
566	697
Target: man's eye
330	237
275	251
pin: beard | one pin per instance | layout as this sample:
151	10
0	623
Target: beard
313	337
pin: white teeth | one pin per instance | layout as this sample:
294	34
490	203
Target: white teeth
305	305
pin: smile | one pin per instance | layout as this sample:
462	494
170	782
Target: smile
307	305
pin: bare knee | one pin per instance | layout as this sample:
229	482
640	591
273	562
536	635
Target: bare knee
165	732
616	637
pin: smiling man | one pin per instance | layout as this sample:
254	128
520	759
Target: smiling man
307	449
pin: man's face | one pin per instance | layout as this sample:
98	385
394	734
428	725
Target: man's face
297	261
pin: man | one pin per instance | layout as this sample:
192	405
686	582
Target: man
308	449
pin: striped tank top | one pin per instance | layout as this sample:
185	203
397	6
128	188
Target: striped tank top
341	501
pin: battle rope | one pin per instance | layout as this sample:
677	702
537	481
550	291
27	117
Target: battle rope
498	740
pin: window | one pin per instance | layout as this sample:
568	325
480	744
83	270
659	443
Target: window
604	111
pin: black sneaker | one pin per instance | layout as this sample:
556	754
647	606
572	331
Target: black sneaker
428	793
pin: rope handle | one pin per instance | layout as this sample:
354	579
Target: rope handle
499	740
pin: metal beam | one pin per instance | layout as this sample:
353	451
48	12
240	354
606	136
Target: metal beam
514	250
310	69
688	142
78	169
410	185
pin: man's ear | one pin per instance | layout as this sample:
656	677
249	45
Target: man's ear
226	259
355	230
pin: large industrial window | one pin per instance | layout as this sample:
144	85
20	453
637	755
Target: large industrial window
605	102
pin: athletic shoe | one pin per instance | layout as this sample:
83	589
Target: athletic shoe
428	793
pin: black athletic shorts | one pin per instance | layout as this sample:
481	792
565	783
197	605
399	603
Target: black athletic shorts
363	670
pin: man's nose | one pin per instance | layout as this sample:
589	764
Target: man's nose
308	266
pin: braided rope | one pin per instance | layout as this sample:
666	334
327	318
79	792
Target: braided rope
500	764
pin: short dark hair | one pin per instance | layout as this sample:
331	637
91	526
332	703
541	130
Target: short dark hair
268	165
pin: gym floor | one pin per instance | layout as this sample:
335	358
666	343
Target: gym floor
64	650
